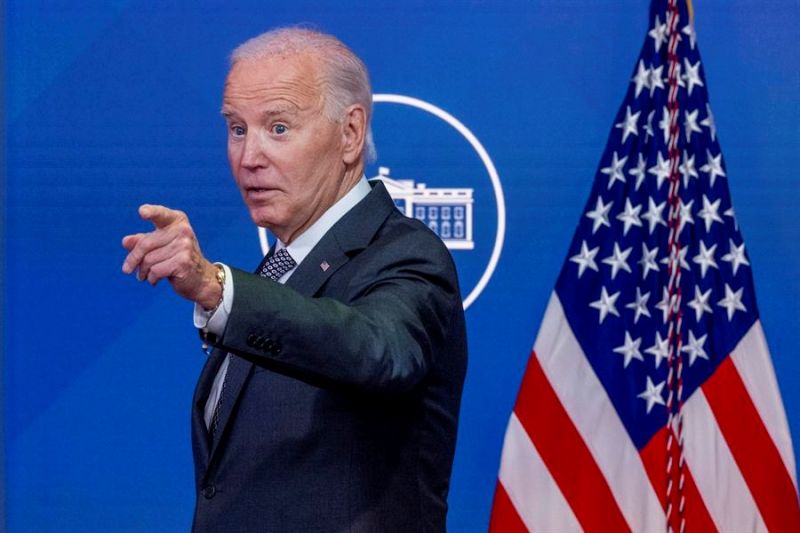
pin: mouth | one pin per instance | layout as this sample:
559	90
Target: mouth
258	193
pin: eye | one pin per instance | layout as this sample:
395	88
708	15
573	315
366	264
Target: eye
279	129
237	131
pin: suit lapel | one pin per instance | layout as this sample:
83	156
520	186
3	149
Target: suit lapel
319	265
200	437
352	233
238	371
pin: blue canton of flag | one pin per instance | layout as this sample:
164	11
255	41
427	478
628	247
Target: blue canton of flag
650	402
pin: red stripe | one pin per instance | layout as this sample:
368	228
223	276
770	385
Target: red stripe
504	516
654	457
752	448
565	453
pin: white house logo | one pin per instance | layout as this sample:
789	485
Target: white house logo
448	212
461	212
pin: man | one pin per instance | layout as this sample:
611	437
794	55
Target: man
330	401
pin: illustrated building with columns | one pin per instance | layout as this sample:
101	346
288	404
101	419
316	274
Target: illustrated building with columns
446	211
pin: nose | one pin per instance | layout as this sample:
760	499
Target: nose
253	155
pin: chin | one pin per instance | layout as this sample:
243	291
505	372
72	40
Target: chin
264	217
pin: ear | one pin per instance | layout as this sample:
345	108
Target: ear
354	131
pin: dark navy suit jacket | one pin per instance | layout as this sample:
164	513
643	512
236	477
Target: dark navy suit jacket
344	388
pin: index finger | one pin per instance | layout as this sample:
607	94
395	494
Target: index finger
159	215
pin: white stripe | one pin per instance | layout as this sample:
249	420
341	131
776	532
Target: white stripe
714	470
529	485
595	418
751	359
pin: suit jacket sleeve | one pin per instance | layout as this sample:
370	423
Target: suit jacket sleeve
377	325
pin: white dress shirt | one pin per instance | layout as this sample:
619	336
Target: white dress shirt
216	320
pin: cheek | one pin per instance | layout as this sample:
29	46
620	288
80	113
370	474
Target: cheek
233	158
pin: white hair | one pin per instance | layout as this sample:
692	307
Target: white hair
346	79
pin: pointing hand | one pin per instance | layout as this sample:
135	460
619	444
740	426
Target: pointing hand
171	251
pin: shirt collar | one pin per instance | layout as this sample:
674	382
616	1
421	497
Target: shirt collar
305	242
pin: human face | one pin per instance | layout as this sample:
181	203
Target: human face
285	154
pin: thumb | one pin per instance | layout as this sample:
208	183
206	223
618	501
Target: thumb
130	241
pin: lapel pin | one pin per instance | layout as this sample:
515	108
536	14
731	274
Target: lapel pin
324	266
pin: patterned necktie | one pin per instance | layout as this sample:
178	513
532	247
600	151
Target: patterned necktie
276	265
272	267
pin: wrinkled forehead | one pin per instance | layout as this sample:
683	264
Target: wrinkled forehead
297	79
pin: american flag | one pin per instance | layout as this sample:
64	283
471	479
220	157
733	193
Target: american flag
650	402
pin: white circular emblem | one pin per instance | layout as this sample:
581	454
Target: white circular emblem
490	170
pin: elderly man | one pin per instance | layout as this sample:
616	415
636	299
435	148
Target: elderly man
330	401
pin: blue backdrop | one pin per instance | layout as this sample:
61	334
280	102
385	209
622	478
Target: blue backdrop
110	104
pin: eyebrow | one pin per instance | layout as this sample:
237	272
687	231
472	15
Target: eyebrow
227	112
272	111
279	109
